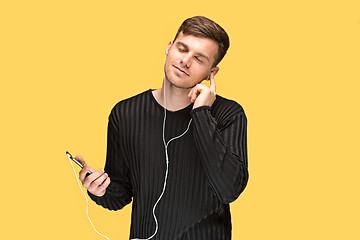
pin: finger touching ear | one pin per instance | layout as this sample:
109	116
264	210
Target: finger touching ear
214	71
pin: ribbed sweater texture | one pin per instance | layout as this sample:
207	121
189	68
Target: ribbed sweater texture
208	167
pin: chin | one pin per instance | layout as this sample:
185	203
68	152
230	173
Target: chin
183	82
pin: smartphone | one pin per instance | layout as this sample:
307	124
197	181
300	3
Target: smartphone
77	162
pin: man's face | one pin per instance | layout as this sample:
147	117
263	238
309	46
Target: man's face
190	60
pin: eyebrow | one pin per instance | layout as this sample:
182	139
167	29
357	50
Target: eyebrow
187	48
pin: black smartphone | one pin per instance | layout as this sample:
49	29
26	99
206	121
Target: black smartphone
77	162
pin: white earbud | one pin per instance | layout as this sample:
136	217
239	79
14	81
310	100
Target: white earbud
208	77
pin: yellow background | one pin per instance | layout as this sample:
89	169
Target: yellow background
292	65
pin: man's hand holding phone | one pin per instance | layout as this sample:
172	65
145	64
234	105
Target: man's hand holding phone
97	182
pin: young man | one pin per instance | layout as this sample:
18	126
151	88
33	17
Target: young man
181	166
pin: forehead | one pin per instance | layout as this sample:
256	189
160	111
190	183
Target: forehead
202	45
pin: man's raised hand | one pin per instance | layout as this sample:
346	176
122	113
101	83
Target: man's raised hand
202	95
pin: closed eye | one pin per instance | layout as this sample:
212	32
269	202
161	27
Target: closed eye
197	58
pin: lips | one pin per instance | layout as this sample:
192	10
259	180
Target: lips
181	70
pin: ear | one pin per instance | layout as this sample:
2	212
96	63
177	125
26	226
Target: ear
215	70
168	48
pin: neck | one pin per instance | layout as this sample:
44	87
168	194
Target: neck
176	98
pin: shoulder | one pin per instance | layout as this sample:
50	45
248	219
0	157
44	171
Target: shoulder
224	106
226	111
128	105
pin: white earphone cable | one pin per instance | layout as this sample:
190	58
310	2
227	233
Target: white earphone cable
166	175
87	203
167	165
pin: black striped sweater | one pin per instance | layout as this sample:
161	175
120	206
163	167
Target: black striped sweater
207	167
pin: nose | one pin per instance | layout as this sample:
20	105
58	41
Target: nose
186	60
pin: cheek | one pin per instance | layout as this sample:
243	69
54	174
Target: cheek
201	73
167	63
198	78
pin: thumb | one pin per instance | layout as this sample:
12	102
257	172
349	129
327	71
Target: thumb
80	159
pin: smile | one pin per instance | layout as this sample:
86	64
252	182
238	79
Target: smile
179	70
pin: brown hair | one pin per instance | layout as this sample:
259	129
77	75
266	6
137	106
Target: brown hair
203	27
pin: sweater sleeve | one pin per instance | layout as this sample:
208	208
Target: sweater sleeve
223	150
119	192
